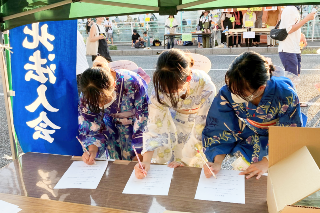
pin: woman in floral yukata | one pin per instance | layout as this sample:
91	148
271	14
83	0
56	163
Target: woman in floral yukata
240	115
177	113
113	112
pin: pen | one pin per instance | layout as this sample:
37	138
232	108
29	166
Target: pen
135	151
206	163
84	148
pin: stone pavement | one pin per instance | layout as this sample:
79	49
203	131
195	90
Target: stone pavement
126	50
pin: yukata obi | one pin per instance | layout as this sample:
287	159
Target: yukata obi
242	128
120	125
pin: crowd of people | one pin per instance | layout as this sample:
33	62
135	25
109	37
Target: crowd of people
185	112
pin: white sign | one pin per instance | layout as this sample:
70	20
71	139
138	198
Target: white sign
270	8
201	62
249	34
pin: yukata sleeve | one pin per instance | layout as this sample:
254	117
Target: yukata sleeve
189	152
290	113
220	134
91	126
157	131
141	100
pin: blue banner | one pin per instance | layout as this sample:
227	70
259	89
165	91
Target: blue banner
43	67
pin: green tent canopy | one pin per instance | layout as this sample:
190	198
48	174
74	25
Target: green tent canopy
19	12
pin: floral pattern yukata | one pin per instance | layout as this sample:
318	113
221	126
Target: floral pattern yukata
233	128
114	128
172	135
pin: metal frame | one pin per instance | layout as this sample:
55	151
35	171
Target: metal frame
137	6
7	102
191	4
37	10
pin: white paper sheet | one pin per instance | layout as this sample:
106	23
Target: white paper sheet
157	182
82	176
249	34
9	207
228	187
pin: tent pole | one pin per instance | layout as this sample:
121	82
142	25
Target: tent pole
5	86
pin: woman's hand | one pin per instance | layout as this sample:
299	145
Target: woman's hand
175	164
258	169
214	167
139	172
101	37
89	159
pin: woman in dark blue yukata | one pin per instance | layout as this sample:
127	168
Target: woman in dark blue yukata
113	112
241	113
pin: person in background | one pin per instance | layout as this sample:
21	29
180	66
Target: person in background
135	38
142	20
170	25
289	49
98	33
146	39
198	29
238	18
258	24
129	18
303	41
113	112
109	29
251	101
272	18
249	19
177	113
117	20
205	26
226	23
89	25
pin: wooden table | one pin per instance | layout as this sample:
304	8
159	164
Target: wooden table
34	175
178	35
30	204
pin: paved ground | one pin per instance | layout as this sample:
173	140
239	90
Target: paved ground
306	89
127	46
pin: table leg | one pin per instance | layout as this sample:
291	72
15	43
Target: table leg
227	37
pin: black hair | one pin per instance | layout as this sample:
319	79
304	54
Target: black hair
171	72
92	83
171	15
249	70
145	32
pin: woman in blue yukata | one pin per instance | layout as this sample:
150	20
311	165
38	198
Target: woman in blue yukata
239	117
177	113
113	112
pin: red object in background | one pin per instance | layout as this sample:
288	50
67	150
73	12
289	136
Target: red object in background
317	86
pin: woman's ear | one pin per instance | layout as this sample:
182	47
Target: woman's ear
262	88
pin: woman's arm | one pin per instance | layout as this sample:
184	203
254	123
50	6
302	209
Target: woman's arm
91	126
92	34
